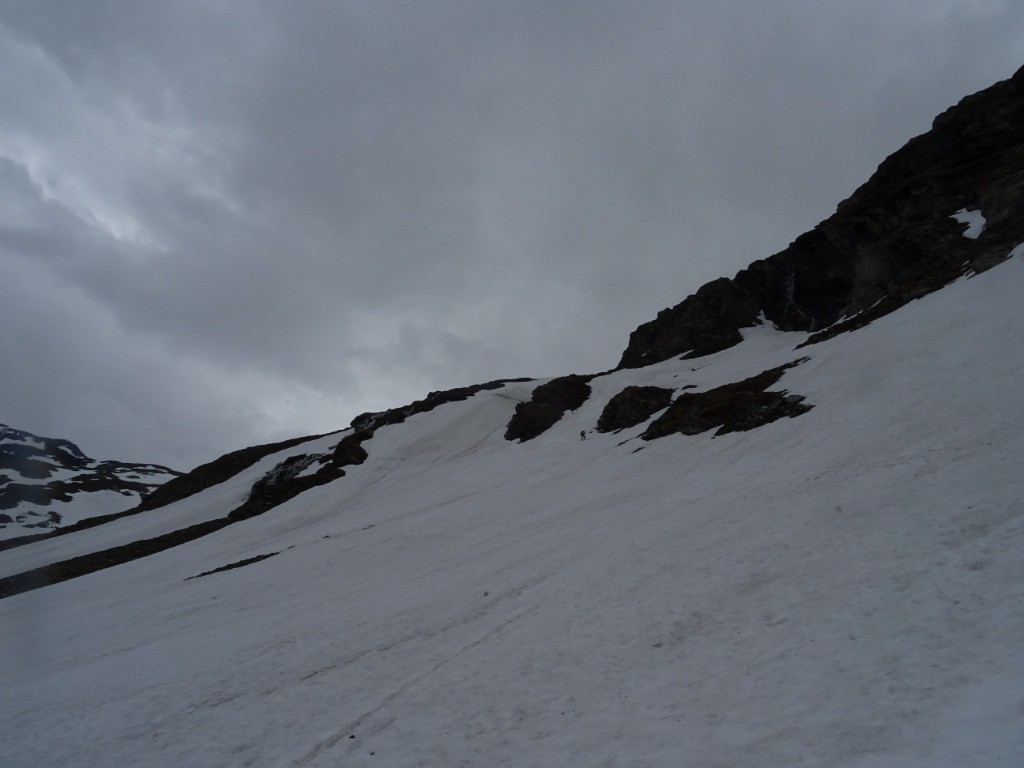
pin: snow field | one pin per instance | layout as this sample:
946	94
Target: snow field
838	589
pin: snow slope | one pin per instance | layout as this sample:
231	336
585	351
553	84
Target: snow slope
214	503
838	589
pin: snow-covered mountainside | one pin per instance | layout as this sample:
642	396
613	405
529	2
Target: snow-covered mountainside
776	546
46	483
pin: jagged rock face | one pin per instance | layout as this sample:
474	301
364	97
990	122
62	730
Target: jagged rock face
285	481
300	473
546	406
350	450
46	482
632	406
894	240
736	407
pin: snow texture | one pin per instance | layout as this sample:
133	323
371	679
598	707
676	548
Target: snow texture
837	589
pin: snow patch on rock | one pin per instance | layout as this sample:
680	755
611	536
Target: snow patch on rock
974	220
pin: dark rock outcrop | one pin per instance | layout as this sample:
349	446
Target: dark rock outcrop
892	241
736	407
296	474
283	483
349	451
632	406
546	406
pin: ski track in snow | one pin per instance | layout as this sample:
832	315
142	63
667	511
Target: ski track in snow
838	589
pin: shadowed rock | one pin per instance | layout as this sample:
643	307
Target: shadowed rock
283	483
889	243
632	406
736	407
546	406
350	450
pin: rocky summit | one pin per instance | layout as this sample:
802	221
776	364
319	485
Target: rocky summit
897	238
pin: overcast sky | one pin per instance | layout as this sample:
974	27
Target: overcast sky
224	222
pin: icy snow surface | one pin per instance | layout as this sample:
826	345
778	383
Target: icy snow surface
839	589
974	220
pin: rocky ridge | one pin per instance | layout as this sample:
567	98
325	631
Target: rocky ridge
897	238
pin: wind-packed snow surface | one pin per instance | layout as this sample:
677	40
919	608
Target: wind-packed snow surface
843	588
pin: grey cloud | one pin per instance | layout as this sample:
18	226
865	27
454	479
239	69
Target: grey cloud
259	219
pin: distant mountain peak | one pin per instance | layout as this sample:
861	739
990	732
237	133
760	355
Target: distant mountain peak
47	483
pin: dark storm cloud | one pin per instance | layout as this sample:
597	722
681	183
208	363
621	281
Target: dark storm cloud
229	222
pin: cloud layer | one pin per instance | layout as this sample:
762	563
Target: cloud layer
225	223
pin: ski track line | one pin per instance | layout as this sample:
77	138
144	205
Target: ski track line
329	742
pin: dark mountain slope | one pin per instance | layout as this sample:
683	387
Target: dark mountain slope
892	241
